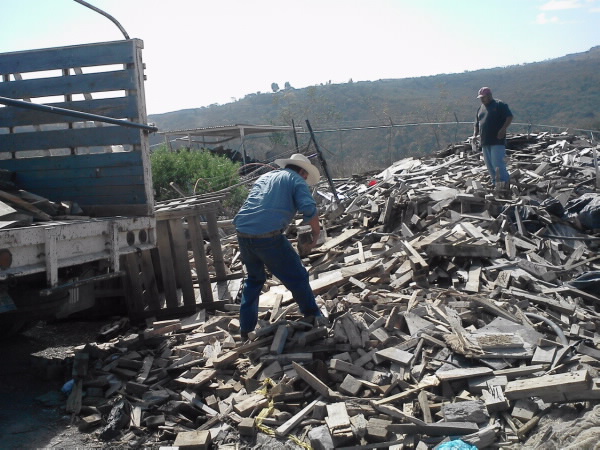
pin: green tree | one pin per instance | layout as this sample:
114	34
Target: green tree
195	172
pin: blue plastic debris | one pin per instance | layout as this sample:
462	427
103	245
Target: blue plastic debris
457	444
68	387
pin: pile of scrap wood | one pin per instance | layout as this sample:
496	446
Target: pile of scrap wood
451	314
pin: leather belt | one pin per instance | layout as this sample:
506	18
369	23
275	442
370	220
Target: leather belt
259	236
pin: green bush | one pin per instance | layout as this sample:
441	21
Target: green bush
194	172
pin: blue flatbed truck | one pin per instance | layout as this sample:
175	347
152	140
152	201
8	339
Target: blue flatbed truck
73	130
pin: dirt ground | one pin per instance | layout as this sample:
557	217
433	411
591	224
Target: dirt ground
27	422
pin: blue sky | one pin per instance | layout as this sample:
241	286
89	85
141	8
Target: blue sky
200	52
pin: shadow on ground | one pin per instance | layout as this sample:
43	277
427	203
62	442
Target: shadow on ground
33	367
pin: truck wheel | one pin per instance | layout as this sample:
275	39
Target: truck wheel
31	308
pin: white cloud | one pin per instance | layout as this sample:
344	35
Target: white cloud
594	6
542	19
557	5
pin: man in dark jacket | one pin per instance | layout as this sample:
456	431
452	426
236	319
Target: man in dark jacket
492	119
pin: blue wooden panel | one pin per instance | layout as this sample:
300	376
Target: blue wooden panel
73	84
118	178
80	137
107	195
74	162
104	53
117	108
64	177
71	182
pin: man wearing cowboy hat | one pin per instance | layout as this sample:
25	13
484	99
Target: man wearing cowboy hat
272	203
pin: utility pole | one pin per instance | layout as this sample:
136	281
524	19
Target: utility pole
322	161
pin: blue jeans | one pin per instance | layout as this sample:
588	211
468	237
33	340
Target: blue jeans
278	255
494	155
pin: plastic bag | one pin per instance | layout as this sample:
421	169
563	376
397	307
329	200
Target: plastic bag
456	445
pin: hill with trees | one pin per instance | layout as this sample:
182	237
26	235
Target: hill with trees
366	125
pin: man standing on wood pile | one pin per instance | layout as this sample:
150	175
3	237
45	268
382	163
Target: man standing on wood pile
491	122
272	203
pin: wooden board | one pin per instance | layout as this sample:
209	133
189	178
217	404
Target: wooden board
348	234
549	387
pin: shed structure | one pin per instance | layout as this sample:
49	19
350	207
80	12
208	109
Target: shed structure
218	135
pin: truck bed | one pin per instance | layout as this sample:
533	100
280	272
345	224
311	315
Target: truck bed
102	167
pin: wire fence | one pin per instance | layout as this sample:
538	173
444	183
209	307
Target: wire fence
385	142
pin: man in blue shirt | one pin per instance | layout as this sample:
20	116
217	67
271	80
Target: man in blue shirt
492	120
272	203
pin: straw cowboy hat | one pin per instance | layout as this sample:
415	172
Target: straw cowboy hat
302	161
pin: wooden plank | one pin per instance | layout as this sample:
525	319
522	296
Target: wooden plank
134	300
346	235
423	241
94	179
200	379
23	204
200	261
457	374
117	108
75	138
543	355
405	394
472	284
101	196
465	250
516	372
490	307
117	80
563	307
215	243
313	381
104	53
148	275
510	247
473	231
117	177
183	274
102	161
337	416
549	387
424	405
163	243
415	254
285	428
436	429
396	355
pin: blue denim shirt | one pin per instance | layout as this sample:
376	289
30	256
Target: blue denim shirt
273	202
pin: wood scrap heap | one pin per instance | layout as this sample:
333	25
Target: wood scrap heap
451	314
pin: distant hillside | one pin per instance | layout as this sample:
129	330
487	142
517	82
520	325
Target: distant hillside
564	92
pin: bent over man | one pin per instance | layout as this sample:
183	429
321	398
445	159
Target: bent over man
272	203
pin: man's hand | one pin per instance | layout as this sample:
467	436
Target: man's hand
502	133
